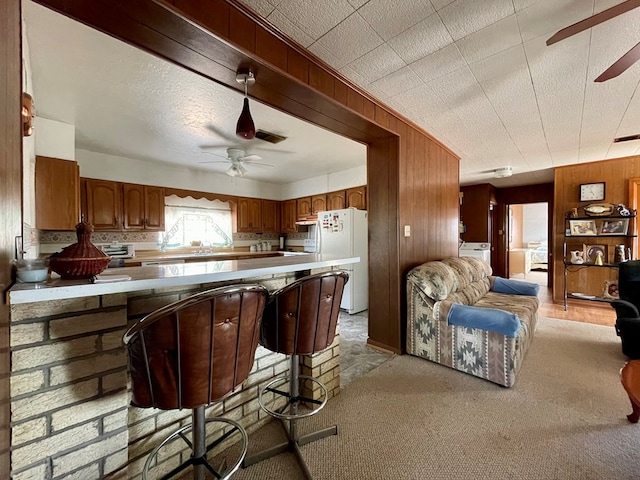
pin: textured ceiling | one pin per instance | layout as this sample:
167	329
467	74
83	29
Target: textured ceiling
475	74
128	103
478	75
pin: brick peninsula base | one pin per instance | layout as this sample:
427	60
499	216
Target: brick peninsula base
70	413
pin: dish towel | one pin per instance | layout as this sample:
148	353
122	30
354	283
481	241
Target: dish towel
109	278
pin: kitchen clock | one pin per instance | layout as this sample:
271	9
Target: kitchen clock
591	191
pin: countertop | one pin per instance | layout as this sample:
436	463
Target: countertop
173	275
147	256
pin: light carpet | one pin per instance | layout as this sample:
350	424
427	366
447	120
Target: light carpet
565	418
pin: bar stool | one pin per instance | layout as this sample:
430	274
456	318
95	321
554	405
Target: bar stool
190	354
299	319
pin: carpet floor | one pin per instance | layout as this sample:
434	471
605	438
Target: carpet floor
565	418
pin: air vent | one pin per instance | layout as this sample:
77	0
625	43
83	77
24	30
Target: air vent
627	139
269	137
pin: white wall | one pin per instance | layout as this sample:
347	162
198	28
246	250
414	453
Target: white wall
55	139
352	177
122	169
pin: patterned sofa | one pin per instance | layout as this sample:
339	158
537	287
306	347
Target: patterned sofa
431	290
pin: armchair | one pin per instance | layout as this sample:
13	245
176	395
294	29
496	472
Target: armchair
627	308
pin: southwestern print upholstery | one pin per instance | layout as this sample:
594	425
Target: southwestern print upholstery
431	290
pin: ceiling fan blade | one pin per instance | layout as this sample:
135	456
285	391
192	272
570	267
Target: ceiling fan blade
593	20
624	62
258	163
215	161
251	158
217	155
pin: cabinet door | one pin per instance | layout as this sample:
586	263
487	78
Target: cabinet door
154	209
335	200
357	197
104	204
270	216
303	206
57	191
288	216
249	215
133	212
318	203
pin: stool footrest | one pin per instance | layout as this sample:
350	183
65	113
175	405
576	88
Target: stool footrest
291	399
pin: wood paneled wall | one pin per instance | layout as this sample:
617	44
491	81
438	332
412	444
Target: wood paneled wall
475	213
10	194
413	178
616	174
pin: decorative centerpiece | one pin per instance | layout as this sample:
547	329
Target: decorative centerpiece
82	259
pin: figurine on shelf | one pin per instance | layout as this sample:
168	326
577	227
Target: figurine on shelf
577	257
619	254
623	211
599	258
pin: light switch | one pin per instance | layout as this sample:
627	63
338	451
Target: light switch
407	230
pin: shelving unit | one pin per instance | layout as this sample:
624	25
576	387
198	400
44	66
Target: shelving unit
606	244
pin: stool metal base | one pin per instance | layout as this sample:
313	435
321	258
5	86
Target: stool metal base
294	441
199	448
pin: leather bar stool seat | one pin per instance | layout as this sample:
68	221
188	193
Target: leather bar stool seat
299	319
190	354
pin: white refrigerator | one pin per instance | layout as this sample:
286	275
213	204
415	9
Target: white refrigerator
344	232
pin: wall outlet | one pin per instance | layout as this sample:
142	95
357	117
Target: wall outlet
407	230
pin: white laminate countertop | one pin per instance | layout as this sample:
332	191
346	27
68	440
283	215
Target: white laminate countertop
172	275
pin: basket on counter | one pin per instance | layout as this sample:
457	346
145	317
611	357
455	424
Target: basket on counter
82	259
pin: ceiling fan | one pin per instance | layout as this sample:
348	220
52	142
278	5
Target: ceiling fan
624	62
238	160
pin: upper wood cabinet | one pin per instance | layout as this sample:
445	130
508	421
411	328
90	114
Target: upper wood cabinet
335	200
143	207
318	203
303	207
249	212
57	193
356	197
270	216
288	216
102	204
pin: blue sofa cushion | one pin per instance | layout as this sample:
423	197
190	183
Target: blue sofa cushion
491	319
515	287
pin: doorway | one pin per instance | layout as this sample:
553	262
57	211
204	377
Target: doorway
528	242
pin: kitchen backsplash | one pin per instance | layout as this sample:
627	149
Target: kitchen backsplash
53	241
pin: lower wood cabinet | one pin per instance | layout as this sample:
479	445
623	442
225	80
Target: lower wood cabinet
57	194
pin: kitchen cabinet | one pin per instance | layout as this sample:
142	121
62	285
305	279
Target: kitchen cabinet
356	197
335	200
318	203
270	216
102	204
143	207
57	194
303	207
249	215
288	216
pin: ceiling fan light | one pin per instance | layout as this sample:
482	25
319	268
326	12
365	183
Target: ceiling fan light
234	171
242	170
502	172
245	128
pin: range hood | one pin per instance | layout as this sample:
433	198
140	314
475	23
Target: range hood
310	220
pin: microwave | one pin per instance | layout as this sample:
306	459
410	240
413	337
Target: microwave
118	250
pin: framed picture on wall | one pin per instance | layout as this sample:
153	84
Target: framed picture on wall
614	227
611	289
582	227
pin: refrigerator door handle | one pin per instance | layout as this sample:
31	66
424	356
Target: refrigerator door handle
318	237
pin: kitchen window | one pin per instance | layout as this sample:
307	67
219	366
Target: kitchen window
199	222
